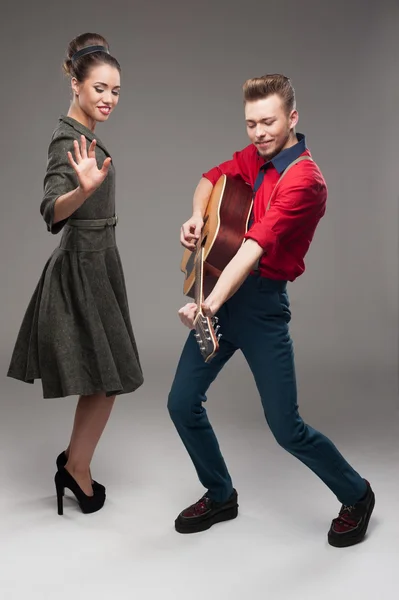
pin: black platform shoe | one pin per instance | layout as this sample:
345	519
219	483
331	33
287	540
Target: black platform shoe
88	504
205	513
62	460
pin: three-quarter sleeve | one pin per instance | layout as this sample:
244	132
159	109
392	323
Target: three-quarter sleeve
60	179
295	211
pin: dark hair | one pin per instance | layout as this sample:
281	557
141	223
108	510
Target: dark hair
81	66
262	87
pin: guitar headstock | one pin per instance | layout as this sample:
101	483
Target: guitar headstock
207	336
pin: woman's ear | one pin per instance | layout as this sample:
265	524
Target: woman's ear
75	86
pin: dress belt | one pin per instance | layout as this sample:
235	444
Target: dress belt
93	223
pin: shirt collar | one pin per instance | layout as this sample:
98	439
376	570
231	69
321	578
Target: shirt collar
84	130
281	161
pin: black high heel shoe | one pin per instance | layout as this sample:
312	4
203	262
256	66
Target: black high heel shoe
88	504
62	460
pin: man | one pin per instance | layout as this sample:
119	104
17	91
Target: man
252	306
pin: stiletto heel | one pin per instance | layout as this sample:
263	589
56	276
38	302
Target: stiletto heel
88	504
60	494
62	461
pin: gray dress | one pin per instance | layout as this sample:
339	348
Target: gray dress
76	335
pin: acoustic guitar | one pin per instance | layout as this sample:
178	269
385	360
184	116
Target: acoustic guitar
226	221
225	224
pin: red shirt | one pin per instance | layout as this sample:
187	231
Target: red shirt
286	230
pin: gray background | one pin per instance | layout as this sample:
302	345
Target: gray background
183	65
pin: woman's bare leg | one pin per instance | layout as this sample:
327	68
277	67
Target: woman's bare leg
91	417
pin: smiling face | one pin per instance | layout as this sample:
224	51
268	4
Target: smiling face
270	128
97	96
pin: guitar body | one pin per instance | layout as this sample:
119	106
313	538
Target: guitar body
225	224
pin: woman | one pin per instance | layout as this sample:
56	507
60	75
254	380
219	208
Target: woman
76	335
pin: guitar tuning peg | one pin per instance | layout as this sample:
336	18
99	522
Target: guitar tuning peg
219	336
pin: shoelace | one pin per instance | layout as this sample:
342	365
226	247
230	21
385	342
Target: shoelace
345	514
201	504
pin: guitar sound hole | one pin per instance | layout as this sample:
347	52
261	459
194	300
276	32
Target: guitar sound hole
190	264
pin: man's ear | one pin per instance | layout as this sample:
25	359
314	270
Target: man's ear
294	118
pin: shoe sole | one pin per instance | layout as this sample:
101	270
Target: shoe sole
343	542
223	515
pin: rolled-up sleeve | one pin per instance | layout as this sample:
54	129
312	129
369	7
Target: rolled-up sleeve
60	179
238	166
295	211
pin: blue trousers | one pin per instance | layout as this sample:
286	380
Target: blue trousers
256	321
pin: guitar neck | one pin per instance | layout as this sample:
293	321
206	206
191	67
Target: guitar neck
199	277
205	332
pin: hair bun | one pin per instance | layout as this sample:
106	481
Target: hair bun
81	65
67	66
